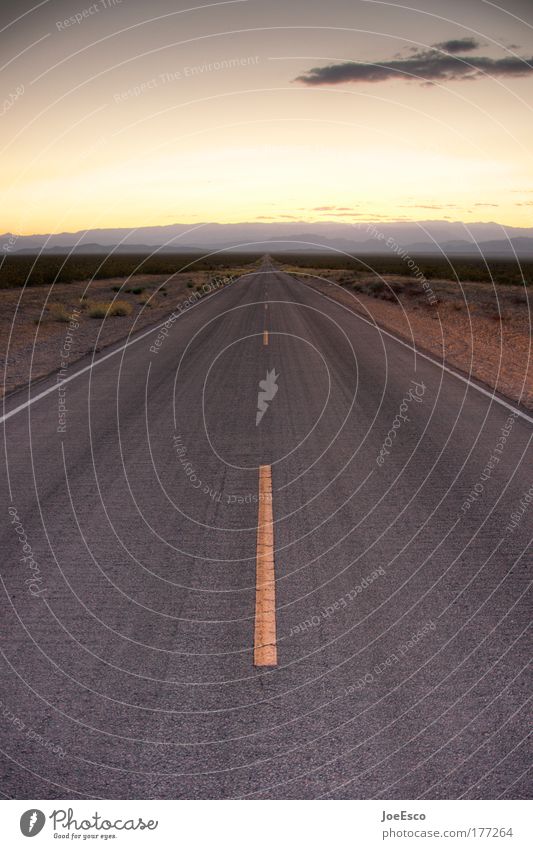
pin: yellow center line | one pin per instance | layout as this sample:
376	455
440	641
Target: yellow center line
265	650
265	337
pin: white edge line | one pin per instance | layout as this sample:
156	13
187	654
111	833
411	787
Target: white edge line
405	344
97	362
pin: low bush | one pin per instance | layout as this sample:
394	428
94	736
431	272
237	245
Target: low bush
121	308
103	309
47	269
59	312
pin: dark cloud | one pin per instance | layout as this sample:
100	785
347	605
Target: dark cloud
427	66
458	45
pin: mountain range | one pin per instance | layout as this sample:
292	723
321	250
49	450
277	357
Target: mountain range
423	237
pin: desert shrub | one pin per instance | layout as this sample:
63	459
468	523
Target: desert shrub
42	270
98	309
103	309
59	312
121	308
374	287
502	271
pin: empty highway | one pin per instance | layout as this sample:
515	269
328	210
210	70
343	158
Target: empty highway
266	551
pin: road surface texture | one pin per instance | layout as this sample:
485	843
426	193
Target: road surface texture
400	519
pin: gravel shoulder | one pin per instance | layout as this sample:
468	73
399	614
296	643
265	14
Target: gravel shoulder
484	331
43	330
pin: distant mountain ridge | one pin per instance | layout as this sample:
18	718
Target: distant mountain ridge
424	237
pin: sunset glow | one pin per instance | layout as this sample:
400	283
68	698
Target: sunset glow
208	115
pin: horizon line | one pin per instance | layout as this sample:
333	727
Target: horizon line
268	221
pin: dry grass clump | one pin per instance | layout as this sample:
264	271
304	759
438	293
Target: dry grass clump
103	309
59	312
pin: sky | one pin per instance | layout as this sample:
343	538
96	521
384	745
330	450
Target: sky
123	113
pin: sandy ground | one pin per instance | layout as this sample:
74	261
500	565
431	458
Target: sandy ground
483	332
33	340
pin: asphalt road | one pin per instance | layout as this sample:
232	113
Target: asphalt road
401	614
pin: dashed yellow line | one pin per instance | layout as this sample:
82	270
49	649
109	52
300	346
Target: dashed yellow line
265	337
265	649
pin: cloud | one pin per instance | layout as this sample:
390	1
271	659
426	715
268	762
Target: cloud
426	66
345	214
458	45
428	206
331	208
